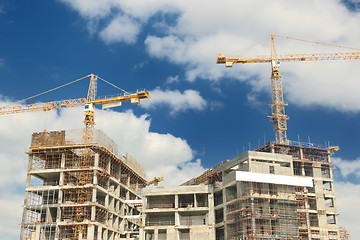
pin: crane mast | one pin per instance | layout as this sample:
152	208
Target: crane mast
278	116
88	134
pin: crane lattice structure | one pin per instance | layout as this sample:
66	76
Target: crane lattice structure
278	116
89	103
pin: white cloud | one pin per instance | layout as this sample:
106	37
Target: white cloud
139	65
197	33
161	154
347	199
172	79
347	167
91	9
124	16
177	101
348	194
121	29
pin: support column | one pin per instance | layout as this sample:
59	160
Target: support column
37	232
99	233
96	160
195	201
156	234
90	232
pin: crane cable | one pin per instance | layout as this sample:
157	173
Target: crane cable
247	49
113	85
328	44
45	92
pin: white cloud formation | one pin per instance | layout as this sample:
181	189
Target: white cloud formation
172	79
348	194
161	154
196	34
121	29
347	167
177	101
347	200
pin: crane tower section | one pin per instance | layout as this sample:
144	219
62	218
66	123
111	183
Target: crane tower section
278	116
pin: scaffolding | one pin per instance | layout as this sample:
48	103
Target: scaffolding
267	211
78	191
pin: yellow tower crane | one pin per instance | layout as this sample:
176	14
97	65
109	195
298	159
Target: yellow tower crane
89	103
278	116
88	132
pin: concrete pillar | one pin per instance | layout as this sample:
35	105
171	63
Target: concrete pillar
90	232
107	201
128	193
172	233
156	233
99	233
224	213
195	201
62	163
211	210
93	197
177	218
141	234
176	201
96	160
108	166
301	153
93	213
37	232
62	166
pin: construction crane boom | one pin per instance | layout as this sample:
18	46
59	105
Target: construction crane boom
88	102
278	116
290	58
155	181
43	106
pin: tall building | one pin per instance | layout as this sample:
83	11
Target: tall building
275	192
80	191
77	191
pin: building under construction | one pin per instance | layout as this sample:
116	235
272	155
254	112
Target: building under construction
275	192
80	191
76	190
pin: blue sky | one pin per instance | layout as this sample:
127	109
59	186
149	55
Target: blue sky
200	113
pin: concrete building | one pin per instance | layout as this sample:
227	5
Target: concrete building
178	213
76	190
274	192
80	191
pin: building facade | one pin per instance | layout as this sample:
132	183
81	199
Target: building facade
79	191
178	213
275	192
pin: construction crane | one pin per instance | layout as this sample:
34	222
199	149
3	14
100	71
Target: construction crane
278	116
155	181
88	132
89	103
